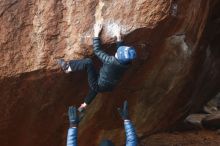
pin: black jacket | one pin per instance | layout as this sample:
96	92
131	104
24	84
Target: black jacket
112	70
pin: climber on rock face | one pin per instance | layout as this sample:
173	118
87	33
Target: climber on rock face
110	73
131	137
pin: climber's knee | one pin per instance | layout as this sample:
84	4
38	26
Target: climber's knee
88	61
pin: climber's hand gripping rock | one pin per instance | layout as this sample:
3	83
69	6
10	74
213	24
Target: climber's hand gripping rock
97	29
117	33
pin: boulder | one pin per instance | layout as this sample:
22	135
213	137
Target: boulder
212	121
213	105
210	109
195	120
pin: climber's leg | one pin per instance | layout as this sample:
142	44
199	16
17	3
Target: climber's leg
88	65
80	64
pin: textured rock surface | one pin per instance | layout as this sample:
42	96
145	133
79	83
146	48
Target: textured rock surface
175	68
34	33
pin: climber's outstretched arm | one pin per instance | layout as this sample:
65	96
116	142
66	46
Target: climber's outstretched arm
88	99
131	137
72	131
104	57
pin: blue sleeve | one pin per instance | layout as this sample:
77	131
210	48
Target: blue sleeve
72	137
131	137
104	57
119	44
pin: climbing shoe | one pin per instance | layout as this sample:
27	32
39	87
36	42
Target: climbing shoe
63	64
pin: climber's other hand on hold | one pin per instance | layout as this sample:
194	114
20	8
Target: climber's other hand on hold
124	111
97	29
117	33
73	116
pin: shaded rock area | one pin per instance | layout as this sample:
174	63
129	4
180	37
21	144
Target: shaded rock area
189	138
176	72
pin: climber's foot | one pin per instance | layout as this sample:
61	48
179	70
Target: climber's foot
63	64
